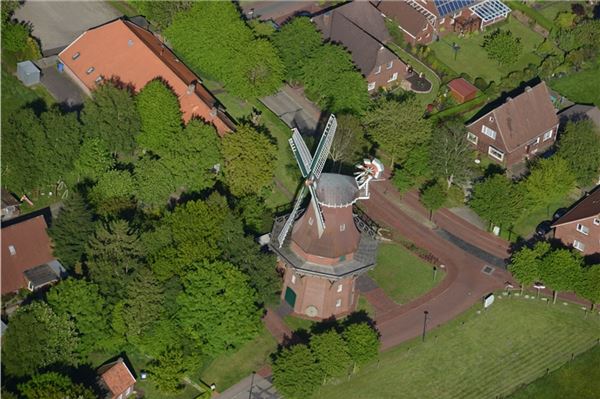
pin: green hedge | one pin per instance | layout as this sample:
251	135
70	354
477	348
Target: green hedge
531	13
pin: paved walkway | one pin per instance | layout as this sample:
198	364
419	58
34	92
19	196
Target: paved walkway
278	329
257	386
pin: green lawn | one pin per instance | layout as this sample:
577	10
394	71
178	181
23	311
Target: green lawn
229	368
16	95
401	274
580	87
476	355
297	323
472	58
550	9
579	379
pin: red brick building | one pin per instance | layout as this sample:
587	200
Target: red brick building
116	379
121	49
518	129
580	226
360	28
423	21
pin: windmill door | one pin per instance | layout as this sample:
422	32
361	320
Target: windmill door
290	297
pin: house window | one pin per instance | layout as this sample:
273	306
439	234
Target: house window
338	303
340	288
343	227
472	138
548	135
378	70
394	77
12	250
390	65
75	56
488	132
579	245
583	229
90	70
499	155
596	222
293	279
371	86
535	142
30	286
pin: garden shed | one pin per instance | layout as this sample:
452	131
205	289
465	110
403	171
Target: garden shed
28	73
461	90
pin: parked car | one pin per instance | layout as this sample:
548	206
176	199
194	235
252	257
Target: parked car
543	228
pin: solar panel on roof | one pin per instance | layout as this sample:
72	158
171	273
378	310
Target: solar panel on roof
446	7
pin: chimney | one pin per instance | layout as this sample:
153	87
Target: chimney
213	112
508	99
162	49
527	88
191	88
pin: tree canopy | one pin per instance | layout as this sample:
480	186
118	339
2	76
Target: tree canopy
561	270
349	143
362	341
553	172
502	46
497	200
450	153
526	264
331	352
579	145
296	40
294	372
53	385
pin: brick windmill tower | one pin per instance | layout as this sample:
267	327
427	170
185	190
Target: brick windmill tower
329	246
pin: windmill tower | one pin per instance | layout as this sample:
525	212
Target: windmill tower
325	248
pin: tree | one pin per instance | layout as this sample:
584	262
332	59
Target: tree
114	186
414	170
502	46
295	41
249	158
433	196
526	265
70	231
111	116
349	143
168	370
561	270
53	386
451	153
296	373
332	353
81	302
497	200
160	116
212	37
580	147
161	13
94	159
154	183
398	126
362	341
583	35
332	81
552	172
37	337
589	286
217	307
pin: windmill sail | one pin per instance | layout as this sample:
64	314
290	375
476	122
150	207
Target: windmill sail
318	212
323	148
301	152
290	220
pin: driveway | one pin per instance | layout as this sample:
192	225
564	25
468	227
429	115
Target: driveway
63	89
294	109
58	23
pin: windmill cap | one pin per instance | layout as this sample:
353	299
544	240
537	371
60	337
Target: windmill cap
335	190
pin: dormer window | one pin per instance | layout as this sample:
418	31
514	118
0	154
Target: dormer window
390	65
99	79
130	42
378	70
75	56
90	70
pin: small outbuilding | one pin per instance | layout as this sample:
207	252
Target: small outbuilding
28	73
461	90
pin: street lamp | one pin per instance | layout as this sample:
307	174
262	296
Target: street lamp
425	313
434	272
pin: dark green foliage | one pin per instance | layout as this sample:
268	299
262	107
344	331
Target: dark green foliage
497	200
81	302
160	116
332	353
111	115
113	187
53	386
589	285
168	370
502	46
94	159
161	13
583	35
70	231
451	153
14	36
249	158
217	307
37	337
552	172
362	341
561	270
295	41
414	170
433	196
154	183
526	265
579	145
398	126
295	372
212	38
333	82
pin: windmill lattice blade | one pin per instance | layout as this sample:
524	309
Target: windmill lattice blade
324	146
301	152
318	212
291	219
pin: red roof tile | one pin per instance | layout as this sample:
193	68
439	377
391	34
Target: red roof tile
117	378
462	87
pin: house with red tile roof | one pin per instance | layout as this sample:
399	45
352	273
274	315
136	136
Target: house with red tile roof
116	379
27	260
122	50
518	129
580	226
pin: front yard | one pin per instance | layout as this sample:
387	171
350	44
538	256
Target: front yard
472	58
580	87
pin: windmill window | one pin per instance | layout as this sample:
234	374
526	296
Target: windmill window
343	227
340	288
90	70
596	222
75	56
310	221
12	250
338	303
293	279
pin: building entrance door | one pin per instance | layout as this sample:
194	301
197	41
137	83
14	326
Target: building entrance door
290	297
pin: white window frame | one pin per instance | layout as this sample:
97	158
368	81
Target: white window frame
491	151
371	86
343	227
596	221
338	303
583	229
548	134
310	221
90	70
389	65
491	133
578	245
293	279
378	70
472	138
394	77
340	287
12	250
